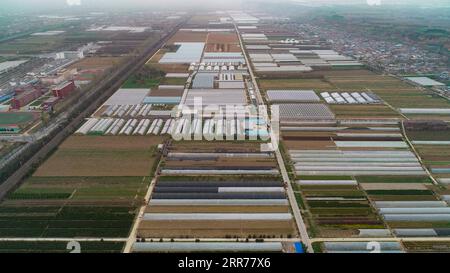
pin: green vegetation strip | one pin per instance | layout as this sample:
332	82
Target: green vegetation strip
59	247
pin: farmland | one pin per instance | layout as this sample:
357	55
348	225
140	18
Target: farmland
188	36
316	84
337	211
97	156
90	187
222	42
59	247
246	201
363	111
231	205
146	77
22	119
97	63
32	44
352	166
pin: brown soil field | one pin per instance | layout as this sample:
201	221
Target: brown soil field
222	38
409	98
188	36
353	72
336	233
173	68
101	156
431	247
96	63
96	164
222	48
113	142
211	229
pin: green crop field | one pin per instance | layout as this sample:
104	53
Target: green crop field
59	247
134	83
429	135
32	44
174	81
19	118
343	217
90	205
53	220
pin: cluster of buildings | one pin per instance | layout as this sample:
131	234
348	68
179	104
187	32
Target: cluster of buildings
380	53
52	76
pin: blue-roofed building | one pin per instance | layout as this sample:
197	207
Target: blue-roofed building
299	247
162	100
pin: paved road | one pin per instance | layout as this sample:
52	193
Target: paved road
411	146
274	139
132	238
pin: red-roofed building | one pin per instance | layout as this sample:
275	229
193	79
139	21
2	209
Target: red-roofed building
64	89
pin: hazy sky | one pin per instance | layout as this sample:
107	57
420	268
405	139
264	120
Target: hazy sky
230	4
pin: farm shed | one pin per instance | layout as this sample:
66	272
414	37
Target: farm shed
361	247
410	204
223	57
162	100
415	232
216	97
218	195
84	129
304	111
217	216
284	68
417	217
207	247
218	172
220	202
225	183
424	81
186	53
177	75
210	189
426	111
337	162
371	144
204	80
127	96
257	47
292	96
